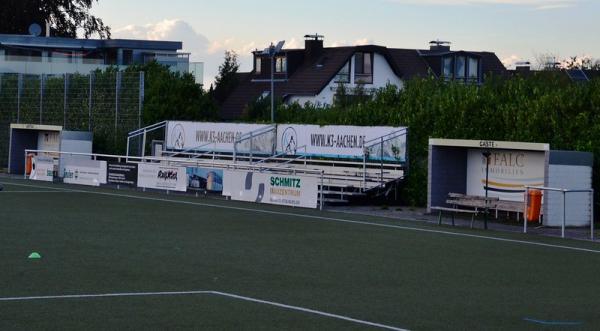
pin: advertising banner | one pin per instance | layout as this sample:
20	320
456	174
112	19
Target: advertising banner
203	179
218	137
84	172
122	174
509	172
156	176
295	191
341	141
42	169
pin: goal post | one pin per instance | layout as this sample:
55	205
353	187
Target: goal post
560	196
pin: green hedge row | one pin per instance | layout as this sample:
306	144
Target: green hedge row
545	107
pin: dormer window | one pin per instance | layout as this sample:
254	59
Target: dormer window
258	65
461	68
363	68
344	75
280	64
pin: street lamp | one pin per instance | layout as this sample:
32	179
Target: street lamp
487	155
271	52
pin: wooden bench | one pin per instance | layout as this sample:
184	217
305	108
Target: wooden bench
460	203
454	211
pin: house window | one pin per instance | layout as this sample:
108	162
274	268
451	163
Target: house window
473	69
344	75
258	65
363	68
127	57
280	64
22	55
448	68
461	66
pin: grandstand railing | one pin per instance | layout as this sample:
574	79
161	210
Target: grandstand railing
380	142
144	132
250	136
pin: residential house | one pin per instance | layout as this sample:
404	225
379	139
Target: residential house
314	74
37	55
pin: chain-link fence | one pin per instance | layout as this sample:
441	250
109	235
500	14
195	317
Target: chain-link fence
107	103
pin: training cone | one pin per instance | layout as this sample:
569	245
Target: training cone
35	255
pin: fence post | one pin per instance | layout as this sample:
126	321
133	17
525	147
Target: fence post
41	97
19	91
66	90
141	99
90	95
525	210
117	88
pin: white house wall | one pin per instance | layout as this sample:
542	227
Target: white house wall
382	76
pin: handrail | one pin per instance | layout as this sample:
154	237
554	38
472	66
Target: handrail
398	133
281	154
378	141
185	152
147	128
256	132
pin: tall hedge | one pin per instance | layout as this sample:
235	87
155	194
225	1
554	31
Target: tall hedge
545	107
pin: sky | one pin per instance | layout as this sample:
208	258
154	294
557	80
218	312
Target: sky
516	30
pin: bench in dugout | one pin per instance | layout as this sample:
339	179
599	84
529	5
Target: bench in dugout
466	204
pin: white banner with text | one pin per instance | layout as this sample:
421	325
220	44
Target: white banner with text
159	177
42	169
295	191
84	172
509	172
343	141
219	137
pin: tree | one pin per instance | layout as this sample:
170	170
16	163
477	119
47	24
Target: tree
227	78
64	16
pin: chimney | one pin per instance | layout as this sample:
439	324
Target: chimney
313	46
440	46
524	66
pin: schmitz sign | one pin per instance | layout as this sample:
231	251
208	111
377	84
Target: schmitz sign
509	172
219	137
42	169
296	191
341	141
84	172
156	176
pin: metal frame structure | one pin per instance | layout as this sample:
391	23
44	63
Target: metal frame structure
564	194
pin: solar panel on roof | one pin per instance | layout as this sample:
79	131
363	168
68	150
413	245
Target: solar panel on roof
577	75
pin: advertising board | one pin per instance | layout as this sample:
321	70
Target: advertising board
218	137
42	169
122	174
205	179
160	177
285	190
84	172
509	172
341	141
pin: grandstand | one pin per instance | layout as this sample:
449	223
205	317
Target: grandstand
377	171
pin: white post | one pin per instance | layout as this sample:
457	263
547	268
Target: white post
564	224
525	220
322	197
592	216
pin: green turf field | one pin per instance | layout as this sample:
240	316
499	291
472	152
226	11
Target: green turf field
262	267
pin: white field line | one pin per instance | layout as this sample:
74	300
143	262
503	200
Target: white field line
222	294
35	191
339	220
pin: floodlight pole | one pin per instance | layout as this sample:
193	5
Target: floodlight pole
487	155
272	53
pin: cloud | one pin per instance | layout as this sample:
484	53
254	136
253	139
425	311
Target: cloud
537	4
511	60
358	42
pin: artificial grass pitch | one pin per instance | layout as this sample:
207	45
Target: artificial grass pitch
130	242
